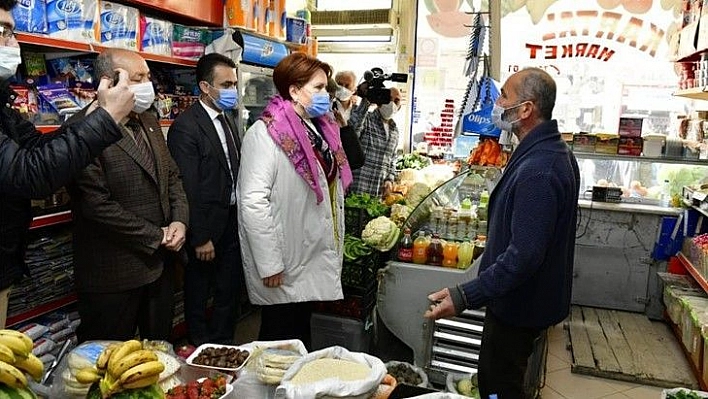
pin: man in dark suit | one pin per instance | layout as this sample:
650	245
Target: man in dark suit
130	213
204	142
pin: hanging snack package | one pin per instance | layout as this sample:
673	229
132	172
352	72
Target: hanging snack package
59	98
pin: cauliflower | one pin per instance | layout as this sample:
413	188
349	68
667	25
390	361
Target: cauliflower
380	233
417	194
399	213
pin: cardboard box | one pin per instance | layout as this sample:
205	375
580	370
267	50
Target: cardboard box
630	146
630	127
606	143
584	142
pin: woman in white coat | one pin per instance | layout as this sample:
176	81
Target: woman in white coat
291	188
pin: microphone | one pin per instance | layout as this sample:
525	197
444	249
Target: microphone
368	75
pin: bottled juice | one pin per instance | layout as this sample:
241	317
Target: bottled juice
405	248
464	254
435	251
420	249
450	254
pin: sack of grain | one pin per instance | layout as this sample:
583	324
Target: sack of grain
332	372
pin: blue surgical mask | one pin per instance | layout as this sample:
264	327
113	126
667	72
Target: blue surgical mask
228	99
319	105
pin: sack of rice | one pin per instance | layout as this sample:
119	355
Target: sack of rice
332	372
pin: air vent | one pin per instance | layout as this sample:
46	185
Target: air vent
354	17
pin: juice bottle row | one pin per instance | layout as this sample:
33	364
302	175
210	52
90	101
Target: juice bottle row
430	249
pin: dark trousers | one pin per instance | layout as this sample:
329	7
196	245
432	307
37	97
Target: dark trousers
503	358
220	277
117	315
286	321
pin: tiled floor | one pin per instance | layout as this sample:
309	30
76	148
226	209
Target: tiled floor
561	383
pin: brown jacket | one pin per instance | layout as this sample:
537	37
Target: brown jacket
119	209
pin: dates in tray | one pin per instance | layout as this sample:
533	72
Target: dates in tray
228	358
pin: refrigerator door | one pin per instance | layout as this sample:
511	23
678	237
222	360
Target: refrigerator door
255	85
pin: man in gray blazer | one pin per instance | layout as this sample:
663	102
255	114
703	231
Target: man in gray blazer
130	213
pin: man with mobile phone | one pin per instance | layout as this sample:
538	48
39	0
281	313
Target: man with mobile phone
33	165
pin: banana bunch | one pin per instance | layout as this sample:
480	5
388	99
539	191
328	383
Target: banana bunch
123	366
16	359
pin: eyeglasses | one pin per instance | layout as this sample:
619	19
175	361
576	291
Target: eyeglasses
6	32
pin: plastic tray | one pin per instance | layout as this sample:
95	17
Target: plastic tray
229	389
190	359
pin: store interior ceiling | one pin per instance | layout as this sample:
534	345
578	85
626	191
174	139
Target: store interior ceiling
356	27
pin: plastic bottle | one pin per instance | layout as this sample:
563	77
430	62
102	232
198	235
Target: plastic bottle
450	254
405	248
464	254
484	198
435	251
666	194
420	249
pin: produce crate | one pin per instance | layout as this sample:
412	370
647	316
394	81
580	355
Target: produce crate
358	275
355	219
356	306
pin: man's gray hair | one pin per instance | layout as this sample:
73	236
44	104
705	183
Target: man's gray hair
103	66
540	88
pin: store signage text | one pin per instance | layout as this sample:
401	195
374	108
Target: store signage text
612	26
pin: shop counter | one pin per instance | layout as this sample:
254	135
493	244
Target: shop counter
614	267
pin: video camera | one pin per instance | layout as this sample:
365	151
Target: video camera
373	88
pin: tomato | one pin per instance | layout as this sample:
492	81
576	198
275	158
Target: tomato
192	392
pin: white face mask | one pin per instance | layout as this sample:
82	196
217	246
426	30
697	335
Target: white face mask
144	96
388	110
498	117
343	94
9	60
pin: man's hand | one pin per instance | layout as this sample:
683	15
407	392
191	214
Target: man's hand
176	236
117	100
339	118
388	187
205	252
273	281
442	305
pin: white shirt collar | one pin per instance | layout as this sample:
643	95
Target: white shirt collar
210	111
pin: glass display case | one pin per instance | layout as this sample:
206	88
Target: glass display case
256	87
444	210
641	179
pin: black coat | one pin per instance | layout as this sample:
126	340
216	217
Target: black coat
196	147
33	165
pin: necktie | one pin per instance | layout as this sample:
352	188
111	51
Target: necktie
231	145
143	147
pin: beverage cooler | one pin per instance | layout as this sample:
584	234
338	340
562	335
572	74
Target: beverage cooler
255	75
446	345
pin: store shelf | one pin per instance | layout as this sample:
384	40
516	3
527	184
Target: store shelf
54	44
696	93
51	219
696	372
42	309
680	161
693	271
51	128
44	129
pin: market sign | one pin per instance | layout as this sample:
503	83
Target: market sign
600	52
581	29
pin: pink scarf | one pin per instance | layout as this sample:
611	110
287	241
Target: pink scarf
287	130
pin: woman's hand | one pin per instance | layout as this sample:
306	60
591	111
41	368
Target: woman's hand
273	281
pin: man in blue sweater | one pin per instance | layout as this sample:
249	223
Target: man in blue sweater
525	275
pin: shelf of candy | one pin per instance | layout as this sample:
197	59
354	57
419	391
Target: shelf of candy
49	258
50	91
